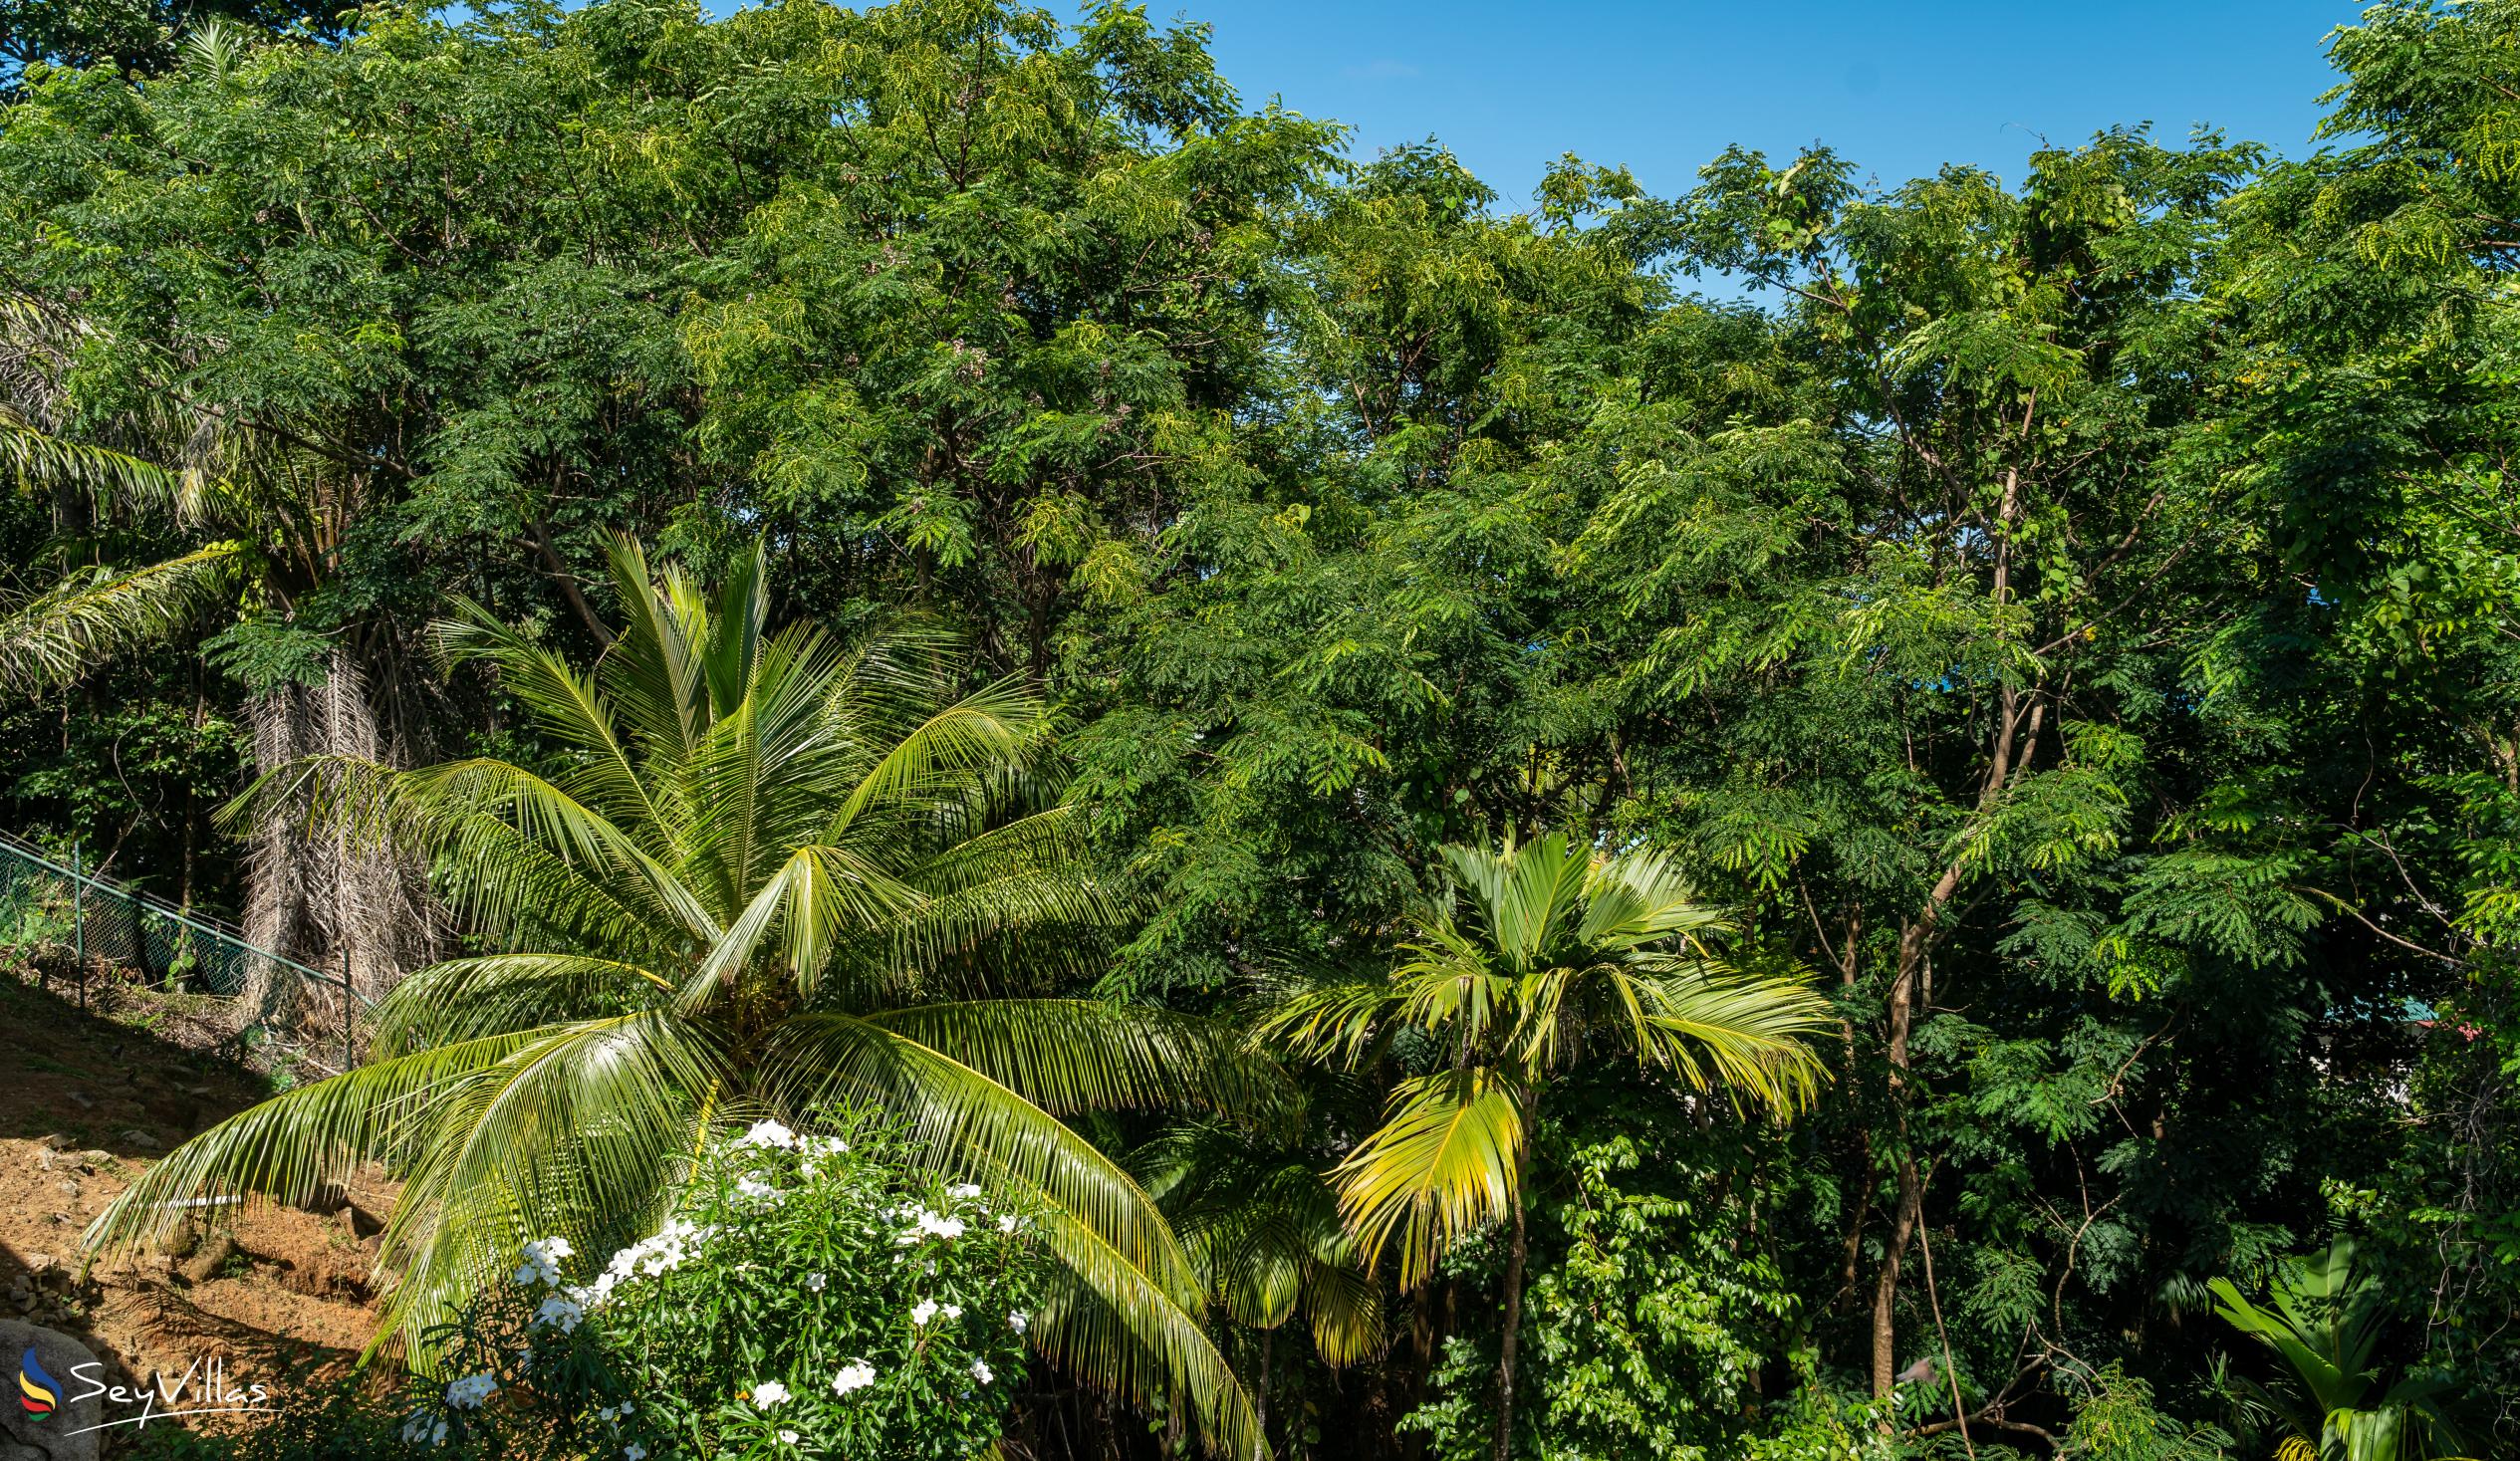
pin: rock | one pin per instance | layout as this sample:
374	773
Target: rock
97	1160
57	1142
139	1142
185	1237
205	1264
66	1364
360	1222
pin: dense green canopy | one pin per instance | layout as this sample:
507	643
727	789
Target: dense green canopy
2072	623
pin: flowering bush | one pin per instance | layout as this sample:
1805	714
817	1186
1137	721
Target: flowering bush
809	1296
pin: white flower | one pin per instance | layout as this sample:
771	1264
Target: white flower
768	1133
414	1428
1018	1320
932	1224
769	1394
542	1261
751	1185
980	1371
787	1439
633	1453
472	1391
814	1283
854	1376
964	1190
925	1311
560	1310
954	1311
1006	1222
627	1407
663	1252
437	1434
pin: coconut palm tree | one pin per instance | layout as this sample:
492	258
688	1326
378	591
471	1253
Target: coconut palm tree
762	874
1560	955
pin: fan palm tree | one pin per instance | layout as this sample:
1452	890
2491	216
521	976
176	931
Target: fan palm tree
762	874
2324	1320
1559	955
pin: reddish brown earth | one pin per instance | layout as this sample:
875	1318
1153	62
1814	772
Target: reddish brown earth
87	1102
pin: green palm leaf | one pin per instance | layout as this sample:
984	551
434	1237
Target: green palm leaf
53	639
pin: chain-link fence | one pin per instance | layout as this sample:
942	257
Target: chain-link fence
59	915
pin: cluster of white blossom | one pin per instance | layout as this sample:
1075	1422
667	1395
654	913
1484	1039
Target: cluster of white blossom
663	1251
857	1374
769	1394
768	1133
472	1391
542	1261
420	1428
926	1225
560	1311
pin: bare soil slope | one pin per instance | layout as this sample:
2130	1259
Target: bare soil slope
87	1101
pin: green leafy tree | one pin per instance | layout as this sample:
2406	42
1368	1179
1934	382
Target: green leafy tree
759	873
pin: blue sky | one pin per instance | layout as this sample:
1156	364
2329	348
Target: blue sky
1900	89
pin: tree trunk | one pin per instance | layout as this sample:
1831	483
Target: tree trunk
325	899
1914	943
1260	1398
1513	1332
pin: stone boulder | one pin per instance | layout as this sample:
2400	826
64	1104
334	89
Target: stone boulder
25	1436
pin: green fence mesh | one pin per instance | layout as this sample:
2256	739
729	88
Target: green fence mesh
50	906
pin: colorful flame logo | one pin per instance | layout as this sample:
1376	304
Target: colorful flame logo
36	1391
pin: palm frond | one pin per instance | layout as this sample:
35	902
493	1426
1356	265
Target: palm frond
468	999
963	1120
577	1131
299	1145
1444	1164
1069	1056
107	476
1746	1035
1104	1319
54	639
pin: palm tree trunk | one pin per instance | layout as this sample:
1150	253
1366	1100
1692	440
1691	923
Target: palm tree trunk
1260	1395
317	898
1513	1331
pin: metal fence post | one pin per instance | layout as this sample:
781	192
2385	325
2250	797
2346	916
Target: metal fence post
78	922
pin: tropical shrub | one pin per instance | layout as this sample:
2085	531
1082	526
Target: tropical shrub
2324	1318
813	1294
